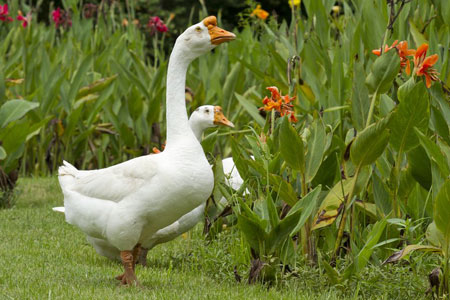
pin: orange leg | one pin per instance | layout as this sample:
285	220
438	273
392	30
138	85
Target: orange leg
129	259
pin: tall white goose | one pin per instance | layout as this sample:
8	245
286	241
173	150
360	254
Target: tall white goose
202	118
127	203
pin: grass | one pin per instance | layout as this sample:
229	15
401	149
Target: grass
42	257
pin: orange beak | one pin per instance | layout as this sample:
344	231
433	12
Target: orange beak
220	119
217	34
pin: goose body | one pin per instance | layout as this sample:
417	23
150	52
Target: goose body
127	203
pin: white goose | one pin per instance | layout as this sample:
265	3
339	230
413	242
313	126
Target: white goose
127	203
202	118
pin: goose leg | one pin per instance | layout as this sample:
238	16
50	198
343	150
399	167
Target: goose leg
129	260
143	257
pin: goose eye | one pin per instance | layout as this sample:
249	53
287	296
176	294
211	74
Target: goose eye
207	111
198	29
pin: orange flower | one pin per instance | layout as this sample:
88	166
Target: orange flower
423	65
403	52
260	13
279	103
386	48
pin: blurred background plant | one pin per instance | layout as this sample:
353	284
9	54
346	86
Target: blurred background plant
356	178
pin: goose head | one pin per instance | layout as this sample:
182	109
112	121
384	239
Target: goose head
207	116
202	37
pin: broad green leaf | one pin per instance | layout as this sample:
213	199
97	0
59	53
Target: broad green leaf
370	144
418	37
281	232
397	256
434	235
333	204
2	153
372	240
316	149
306	205
383	72
13	110
442	210
95	87
284	189
271	210
439	124
434	153
291	146
369	209
253	232
412	112
420	166
360	98
251	109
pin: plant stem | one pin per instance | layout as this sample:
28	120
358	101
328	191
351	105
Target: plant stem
372	106
347	201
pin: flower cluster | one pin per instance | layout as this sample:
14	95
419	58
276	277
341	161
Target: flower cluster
61	18
260	13
280	103
422	64
156	24
4	16
4	11
24	19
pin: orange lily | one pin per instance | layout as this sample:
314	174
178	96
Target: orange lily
260	13
279	103
423	65
403	52
377	52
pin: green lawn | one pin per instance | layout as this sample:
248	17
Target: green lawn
42	257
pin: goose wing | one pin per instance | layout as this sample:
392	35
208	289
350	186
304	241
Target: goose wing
114	183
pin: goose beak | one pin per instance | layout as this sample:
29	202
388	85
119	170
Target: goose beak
220	119
217	34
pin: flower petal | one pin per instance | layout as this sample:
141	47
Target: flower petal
430	60
422	50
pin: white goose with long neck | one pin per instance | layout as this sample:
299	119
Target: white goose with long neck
127	203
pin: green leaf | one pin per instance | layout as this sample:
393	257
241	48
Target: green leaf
2	153
360	98
284	189
383	72
372	240
316	148
418	37
96	86
281	232
434	153
306	205
253	232
412	112
434	236
370	144
251	109
442	210
271	210
291	146
397	256
13	110
420	166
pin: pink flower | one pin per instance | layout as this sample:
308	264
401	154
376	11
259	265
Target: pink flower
156	24
61	18
56	16
25	20
4	13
